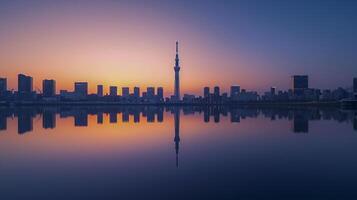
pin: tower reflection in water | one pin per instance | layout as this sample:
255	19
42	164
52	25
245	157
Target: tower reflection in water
177	133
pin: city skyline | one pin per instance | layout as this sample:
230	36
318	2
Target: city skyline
95	43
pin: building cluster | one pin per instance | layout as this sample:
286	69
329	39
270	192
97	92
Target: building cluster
300	91
26	92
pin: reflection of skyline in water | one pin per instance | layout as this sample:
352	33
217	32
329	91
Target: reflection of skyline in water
176	144
299	117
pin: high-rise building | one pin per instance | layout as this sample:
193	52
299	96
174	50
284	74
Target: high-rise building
160	93
216	91
113	90
235	90
125	92
272	90
81	89
49	88
136	92
3	85
177	75
299	84
99	90
150	92
206	92
25	83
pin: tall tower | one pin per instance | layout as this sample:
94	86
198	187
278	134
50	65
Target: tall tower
177	75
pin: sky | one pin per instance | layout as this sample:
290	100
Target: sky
254	44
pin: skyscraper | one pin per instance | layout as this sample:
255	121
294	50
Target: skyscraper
206	92
177	75
25	83
49	88
136	92
150	92
99	90
3	85
113	90
81	89
272	90
125	92
216	91
235	90
160	93
299	84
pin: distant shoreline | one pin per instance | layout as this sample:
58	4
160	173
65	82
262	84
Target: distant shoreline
96	103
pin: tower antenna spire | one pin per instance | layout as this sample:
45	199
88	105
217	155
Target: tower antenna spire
176	47
177	76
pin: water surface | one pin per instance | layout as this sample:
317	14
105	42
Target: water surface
143	152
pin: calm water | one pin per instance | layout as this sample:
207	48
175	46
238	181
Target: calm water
177	153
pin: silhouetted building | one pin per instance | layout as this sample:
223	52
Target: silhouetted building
81	89
99	90
206	92
136	92
216	91
49	88
299	84
150	92
160	93
272	90
49	119
113	90
125	92
235	90
3	85
25	83
177	75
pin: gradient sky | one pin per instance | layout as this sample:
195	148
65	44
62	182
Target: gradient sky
255	44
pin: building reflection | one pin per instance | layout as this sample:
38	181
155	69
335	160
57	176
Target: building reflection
300	123
100	118
81	118
3	121
49	119
113	117
25	121
298	117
